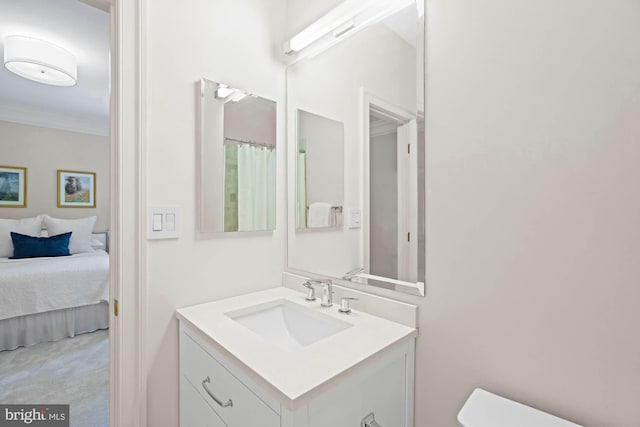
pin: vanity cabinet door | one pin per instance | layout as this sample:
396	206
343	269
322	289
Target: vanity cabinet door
194	411
382	392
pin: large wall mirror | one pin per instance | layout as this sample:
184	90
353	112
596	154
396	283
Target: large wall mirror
366	77
237	160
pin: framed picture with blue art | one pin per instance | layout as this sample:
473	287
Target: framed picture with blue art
13	187
76	189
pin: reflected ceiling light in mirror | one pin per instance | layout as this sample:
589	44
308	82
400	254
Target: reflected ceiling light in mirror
344	20
223	91
238	97
40	61
229	93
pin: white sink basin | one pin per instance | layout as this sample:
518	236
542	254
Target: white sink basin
288	325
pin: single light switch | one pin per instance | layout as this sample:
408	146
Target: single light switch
157	222
170	222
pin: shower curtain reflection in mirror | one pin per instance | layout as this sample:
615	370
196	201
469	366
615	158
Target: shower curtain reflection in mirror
250	183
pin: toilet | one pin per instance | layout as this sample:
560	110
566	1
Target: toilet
484	409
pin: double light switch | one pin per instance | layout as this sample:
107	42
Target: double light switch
163	222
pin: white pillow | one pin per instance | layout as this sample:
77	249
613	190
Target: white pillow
81	231
96	244
27	226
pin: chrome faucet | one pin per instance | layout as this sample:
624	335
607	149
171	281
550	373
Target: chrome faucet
311	295
352	274
327	291
326	299
369	421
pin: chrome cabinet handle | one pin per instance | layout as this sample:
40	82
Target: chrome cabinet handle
210	393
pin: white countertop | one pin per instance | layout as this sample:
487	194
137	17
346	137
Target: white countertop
294	374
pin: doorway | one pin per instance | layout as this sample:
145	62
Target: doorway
61	135
392	201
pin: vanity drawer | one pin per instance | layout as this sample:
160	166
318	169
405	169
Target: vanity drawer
194	411
243	408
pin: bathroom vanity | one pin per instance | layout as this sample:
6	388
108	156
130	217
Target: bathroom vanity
273	359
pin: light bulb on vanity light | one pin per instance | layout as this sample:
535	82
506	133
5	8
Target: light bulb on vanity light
40	61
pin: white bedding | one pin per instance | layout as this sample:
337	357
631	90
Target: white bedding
35	285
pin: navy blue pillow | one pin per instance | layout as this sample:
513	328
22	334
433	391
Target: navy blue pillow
33	247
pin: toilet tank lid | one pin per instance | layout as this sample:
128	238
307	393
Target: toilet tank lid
484	409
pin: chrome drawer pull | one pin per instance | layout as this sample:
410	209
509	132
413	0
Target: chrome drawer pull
210	393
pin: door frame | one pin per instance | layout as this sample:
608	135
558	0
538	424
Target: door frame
127	369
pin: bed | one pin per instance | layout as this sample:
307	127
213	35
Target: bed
50	298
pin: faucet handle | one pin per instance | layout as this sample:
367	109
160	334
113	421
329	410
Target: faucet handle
311	295
352	274
344	304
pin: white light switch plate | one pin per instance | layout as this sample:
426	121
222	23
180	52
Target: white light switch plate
355	218
163	222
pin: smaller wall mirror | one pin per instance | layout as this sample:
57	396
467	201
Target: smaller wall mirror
320	172
237	159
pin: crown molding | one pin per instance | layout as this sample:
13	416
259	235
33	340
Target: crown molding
47	119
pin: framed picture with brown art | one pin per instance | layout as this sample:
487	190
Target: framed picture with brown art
13	187
76	189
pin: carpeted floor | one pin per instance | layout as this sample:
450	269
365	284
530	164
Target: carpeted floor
72	370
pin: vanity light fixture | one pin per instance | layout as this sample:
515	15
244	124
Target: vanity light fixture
40	61
344	12
349	16
347	26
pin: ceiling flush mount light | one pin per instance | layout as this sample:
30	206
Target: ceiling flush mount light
40	61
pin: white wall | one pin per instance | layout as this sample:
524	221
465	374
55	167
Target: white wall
533	208
301	13
323	141
231	41
43	151
251	119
